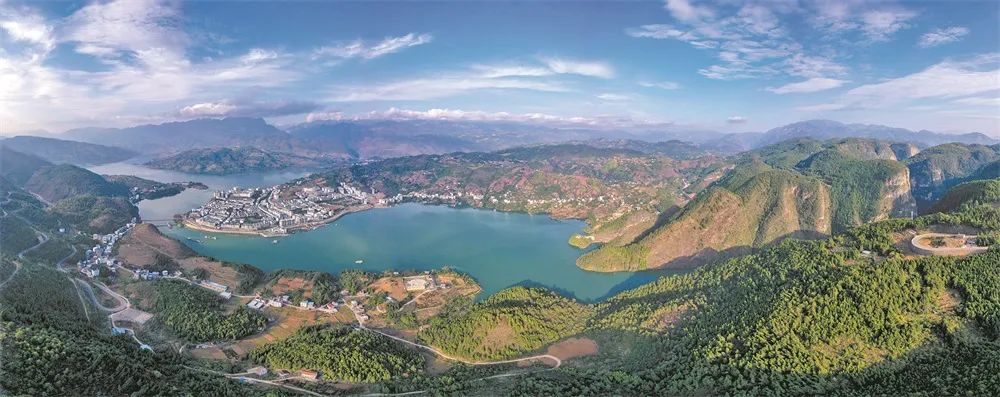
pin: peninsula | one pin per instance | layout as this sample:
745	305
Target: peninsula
277	210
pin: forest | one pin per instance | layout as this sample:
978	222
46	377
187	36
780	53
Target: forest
341	353
50	347
196	314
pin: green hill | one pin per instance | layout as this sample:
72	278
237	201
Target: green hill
18	167
984	191
231	161
511	322
935	170
61	181
801	188
96	214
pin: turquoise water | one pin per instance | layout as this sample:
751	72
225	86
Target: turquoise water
498	249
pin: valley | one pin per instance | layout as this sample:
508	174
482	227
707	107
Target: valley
263	280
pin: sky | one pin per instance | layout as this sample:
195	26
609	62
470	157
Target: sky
727	65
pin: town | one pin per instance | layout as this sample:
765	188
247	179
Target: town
276	210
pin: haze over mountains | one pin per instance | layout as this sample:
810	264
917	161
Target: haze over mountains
362	139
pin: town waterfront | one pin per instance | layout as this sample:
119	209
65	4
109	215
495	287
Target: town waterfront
498	249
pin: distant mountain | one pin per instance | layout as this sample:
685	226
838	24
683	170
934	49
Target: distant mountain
364	138
828	129
230	161
63	151
194	134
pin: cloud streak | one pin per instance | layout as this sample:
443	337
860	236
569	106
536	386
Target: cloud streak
943	36
814	84
362	50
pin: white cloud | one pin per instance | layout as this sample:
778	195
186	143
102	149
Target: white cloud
993	101
496	71
875	22
583	68
879	25
30	29
665	85
548	67
247	108
736	120
685	11
259	55
750	42
119	29
435	87
812	85
612	97
359	49
945	80
943	36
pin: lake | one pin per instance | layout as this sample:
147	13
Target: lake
498	249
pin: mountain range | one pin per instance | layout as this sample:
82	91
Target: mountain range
366	139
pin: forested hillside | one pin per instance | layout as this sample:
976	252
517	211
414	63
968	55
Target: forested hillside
231	161
341	353
50	346
801	318
937	169
799	188
511	322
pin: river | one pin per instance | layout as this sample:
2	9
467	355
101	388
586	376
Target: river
498	249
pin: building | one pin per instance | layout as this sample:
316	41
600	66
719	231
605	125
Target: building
418	283
259	371
213	286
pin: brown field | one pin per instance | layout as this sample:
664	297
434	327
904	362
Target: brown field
286	285
287	321
393	286
140	246
572	348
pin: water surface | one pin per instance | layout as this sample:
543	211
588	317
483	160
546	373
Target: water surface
498	249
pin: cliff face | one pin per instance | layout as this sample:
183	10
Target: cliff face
897	198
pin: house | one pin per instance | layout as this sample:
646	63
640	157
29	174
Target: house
309	374
226	295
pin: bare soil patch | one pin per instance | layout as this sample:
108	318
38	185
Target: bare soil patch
572	348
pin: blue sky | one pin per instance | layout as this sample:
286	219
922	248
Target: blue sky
726	65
